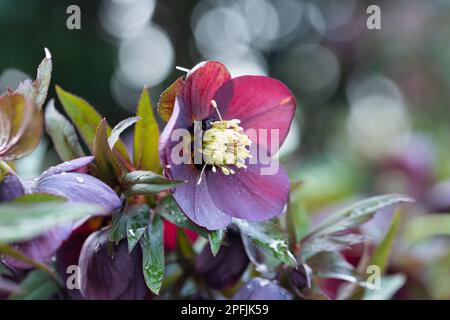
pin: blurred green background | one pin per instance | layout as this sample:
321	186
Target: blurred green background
374	105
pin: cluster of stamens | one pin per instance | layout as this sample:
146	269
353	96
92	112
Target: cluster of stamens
224	144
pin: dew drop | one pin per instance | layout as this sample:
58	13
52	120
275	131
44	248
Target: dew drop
80	179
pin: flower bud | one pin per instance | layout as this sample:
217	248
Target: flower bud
109	272
262	289
438	198
227	267
301	277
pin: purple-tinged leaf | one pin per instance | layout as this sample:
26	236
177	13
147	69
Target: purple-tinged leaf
107	166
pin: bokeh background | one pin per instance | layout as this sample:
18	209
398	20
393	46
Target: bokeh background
374	105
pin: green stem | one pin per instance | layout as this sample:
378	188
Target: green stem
4	170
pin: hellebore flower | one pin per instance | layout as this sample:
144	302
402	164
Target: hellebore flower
63	181
109	272
262	289
227	267
225	183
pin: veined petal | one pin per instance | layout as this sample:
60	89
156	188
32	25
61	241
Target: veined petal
260	103
79	187
68	166
248	194
201	84
195	200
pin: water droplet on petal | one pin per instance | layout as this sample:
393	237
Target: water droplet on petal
80	179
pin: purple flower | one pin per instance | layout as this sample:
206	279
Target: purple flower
262	289
226	184
227	267
109	272
58	180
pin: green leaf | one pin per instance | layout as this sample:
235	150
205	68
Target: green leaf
216	240
118	229
137	225
39	197
119	128
43	77
146	183
330	242
380	257
269	236
333	265
169	210
86	120
19	221
62	133
146	137
184	247
36	286
153	254
389	285
37	91
107	166
423	227
297	219
357	214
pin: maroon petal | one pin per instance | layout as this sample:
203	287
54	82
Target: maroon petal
195	200
248	194
260	103
201	84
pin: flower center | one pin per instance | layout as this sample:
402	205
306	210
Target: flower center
225	144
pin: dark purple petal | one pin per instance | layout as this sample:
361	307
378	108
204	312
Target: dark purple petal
262	289
201	84
41	248
68	166
260	103
195	200
11	187
248	194
79	187
107	277
226	268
